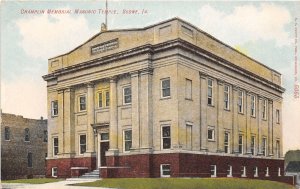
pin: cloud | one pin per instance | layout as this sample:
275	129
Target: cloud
46	36
247	23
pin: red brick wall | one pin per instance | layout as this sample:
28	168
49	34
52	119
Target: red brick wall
64	165
191	165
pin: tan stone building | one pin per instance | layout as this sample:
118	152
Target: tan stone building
23	147
164	100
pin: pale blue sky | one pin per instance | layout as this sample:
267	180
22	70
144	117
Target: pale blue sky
263	30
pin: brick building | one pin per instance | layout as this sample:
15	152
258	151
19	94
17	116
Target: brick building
164	100
23	147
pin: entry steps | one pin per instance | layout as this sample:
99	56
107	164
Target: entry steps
91	175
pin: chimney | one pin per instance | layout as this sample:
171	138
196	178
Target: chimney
103	27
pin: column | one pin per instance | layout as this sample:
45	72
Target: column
69	130
203	112
220	109
270	128
90	118
146	110
235	128
248	122
135	111
60	99
113	125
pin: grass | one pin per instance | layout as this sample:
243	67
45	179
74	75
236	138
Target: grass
32	181
182	183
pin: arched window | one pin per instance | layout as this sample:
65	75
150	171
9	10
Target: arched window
7	133
26	135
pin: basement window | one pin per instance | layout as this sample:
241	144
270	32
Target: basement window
54	171
165	170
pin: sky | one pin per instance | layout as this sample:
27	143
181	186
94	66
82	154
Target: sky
264	31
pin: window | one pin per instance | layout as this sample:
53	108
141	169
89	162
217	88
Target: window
226	97
26	135
241	149
188	89
264	147
7	133
264	109
29	159
54	108
279	172
103	96
45	136
213	171
253	105
252	145
229	171
226	143
255	170
127	95
54	171
277	116
127	140
166	137
267	172
55	146
189	137
211	134
165	88
240	101
82	103
278	148
165	170
82	144
244	173
209	92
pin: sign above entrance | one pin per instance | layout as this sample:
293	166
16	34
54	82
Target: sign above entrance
106	46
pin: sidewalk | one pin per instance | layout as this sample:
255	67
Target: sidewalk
53	185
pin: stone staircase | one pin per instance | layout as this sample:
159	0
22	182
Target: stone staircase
91	175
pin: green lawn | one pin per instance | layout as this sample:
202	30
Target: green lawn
32	181
182	183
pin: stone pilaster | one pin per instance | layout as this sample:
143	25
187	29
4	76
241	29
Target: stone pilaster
90	118
203	112
113	125
146	110
135	111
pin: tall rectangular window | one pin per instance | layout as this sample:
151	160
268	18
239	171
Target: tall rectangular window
127	95
82	144
278	148
188	89
45	136
55	146
241	149
7	133
264	111
240	101
226	97
252	145
26	135
213	170
82	103
127	140
165	88
226	143
54	108
253	100
29	159
264	146
189	137
209	92
277	116
166	137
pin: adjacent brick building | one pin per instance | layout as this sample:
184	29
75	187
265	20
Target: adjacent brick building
164	100
23	147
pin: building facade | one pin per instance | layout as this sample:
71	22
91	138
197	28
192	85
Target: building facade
23	147
164	100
